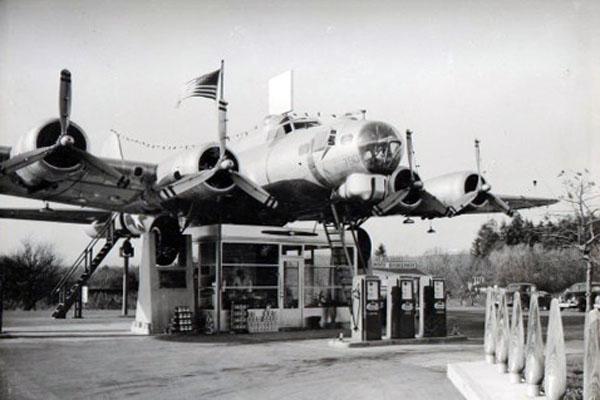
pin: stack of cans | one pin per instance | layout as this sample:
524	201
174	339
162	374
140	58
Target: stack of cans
182	320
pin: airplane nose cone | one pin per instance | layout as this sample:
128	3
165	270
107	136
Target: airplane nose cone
380	147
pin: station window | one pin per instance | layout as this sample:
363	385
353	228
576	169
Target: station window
250	253
250	274
322	280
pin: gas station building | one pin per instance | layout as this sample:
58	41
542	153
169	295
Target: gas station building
280	277
262	279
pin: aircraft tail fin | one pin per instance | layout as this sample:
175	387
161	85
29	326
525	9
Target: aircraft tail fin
112	146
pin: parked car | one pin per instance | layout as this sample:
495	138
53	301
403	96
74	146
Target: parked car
544	299
526	289
574	295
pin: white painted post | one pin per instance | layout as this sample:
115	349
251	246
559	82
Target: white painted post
489	338
502	335
591	360
555	381
516	359
534	349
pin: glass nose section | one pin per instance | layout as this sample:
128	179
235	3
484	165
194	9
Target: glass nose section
379	147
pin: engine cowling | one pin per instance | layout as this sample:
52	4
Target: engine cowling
193	161
403	179
169	240
451	187
56	166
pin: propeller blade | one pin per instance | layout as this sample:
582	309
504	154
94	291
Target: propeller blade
464	201
222	128
501	204
64	101
183	185
385	205
478	162
410	153
23	160
100	165
254	190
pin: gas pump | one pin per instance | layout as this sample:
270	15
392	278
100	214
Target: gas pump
366	308
400	308
435	309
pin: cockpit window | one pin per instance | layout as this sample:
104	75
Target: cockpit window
379	147
305	124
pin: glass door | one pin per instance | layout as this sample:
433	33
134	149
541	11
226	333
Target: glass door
291	292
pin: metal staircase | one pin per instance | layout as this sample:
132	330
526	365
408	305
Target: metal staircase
69	293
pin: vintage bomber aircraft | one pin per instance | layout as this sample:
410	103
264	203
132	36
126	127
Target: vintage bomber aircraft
342	172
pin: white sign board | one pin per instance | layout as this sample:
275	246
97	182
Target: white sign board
84	294
281	93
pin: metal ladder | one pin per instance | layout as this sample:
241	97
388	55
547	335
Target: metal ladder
335	232
69	294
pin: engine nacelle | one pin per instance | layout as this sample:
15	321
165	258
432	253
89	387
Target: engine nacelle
363	187
195	160
400	180
451	187
169	240
56	166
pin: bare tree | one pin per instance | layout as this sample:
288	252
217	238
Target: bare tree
32	272
380	252
583	196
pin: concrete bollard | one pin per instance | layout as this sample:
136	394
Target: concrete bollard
516	351
489	337
591	360
555	375
502	335
534	349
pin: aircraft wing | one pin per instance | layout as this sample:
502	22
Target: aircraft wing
74	216
515	203
92	187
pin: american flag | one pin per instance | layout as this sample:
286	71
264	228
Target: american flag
203	86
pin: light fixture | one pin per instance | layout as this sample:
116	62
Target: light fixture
430	230
408	220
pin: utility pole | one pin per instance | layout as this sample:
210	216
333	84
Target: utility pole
126	252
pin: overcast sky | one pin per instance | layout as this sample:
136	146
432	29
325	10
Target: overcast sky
522	76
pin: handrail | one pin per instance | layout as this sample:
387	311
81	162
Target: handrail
84	254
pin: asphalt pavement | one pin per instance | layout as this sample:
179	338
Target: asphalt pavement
97	357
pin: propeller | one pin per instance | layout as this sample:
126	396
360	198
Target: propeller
64	140
64	106
482	189
243	182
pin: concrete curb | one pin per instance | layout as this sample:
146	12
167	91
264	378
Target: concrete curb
481	381
345	344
